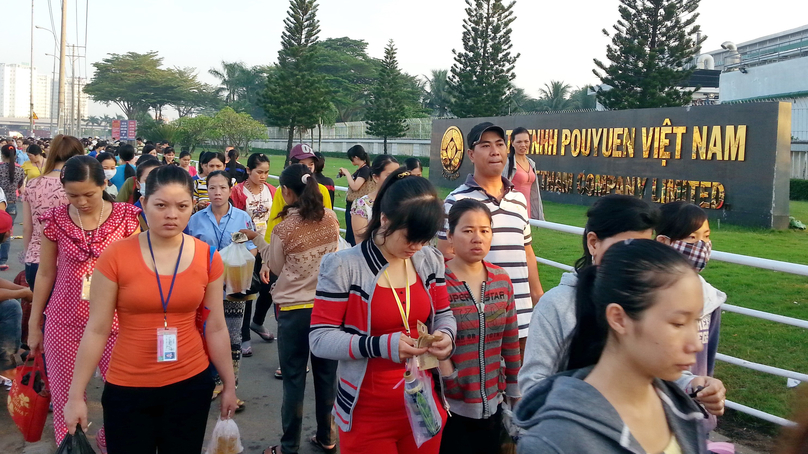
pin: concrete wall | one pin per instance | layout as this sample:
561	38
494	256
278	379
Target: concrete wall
400	147
773	79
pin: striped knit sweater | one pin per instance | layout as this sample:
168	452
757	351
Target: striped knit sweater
485	339
340	320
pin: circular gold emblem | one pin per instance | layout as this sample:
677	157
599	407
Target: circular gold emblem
451	152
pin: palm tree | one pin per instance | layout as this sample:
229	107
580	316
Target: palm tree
556	95
438	97
230	80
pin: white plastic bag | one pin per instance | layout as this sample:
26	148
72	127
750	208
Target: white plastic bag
238	267
342	244
422	410
225	438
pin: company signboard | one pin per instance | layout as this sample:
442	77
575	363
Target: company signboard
732	160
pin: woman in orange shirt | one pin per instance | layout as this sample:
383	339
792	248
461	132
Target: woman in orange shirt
157	394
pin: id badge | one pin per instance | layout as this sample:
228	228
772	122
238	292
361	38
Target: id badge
261	225
85	287
166	344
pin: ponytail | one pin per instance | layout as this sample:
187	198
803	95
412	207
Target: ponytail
309	203
590	334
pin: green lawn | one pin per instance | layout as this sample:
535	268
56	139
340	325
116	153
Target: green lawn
741	336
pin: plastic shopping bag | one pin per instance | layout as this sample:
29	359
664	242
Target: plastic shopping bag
29	399
225	438
75	444
422	410
238	265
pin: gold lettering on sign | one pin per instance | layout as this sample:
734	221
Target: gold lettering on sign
565	140
647	141
715	144
699	143
735	145
575	142
679	131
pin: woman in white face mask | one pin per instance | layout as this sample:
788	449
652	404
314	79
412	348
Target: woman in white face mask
109	164
685	227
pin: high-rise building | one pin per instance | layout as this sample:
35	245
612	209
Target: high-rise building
15	91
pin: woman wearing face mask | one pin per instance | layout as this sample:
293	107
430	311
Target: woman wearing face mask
481	296
74	236
611	219
109	164
364	295
685	227
362	209
638	314
215	225
521	171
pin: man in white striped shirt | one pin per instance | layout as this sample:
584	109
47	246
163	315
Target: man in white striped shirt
511	244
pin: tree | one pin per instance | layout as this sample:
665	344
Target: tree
481	75
192	96
230	77
438	97
555	96
350	74
296	95
581	99
236	128
650	54
387	111
131	81
194	131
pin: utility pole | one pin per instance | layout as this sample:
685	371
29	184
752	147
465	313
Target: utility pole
31	113
73	91
60	111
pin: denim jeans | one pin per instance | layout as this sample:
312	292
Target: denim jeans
10	333
30	274
293	354
11	209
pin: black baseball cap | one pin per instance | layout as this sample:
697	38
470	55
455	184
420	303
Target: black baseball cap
477	132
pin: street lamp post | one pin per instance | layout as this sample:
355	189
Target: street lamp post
53	75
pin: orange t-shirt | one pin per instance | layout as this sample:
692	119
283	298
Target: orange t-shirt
140	313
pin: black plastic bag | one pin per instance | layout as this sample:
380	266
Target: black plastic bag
75	444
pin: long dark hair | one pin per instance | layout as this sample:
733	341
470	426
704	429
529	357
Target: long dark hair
358	151
512	152
83	168
679	219
408	202
630	274
233	155
380	162
309	203
166	175
615	214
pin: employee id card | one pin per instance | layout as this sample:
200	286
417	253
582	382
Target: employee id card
166	344
85	287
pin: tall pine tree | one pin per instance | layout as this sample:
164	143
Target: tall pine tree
481	76
650	55
387	111
296	96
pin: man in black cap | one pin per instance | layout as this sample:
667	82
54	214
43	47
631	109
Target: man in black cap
511	243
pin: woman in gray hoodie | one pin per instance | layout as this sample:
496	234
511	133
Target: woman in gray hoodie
611	219
637	330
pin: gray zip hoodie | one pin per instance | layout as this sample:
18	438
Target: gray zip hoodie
565	415
551	327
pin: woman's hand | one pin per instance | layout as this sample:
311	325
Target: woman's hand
75	413
264	274
228	403
202	204
713	394
344	172
442	347
35	338
407	349
251	234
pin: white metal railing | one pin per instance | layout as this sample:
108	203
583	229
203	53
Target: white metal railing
738	259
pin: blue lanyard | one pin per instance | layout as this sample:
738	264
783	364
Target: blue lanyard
216	229
164	299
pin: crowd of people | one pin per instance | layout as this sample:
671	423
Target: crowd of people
427	329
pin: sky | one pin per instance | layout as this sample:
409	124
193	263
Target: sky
557	40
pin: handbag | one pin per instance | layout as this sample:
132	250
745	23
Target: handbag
29	399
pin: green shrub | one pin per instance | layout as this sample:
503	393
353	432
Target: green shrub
799	190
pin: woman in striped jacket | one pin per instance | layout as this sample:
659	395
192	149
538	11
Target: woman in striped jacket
364	295
481	298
